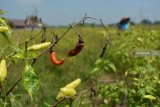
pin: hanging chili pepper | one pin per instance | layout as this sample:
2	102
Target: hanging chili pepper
38	46
3	29
74	83
3	70
54	60
68	90
77	49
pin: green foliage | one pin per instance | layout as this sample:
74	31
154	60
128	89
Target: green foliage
136	76
142	79
121	77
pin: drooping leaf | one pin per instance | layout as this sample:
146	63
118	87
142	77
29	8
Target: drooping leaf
112	66
30	80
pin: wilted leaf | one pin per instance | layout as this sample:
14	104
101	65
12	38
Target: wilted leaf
30	80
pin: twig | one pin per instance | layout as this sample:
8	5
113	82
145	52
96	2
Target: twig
70	102
59	101
80	102
13	86
105	46
25	53
79	35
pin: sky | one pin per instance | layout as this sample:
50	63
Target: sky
64	12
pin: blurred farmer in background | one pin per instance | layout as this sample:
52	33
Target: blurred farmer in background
124	23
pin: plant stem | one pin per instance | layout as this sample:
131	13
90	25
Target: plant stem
59	101
13	86
70	102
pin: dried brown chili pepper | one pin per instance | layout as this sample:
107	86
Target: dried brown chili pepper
77	49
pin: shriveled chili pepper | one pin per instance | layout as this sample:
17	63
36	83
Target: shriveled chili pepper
38	46
3	29
77	49
54	59
3	70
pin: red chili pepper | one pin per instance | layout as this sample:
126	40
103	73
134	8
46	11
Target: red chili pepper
77	49
54	60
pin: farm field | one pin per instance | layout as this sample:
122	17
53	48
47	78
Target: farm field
121	77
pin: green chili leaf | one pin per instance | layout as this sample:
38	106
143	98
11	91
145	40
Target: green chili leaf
30	80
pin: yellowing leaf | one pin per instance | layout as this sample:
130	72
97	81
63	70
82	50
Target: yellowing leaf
30	80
